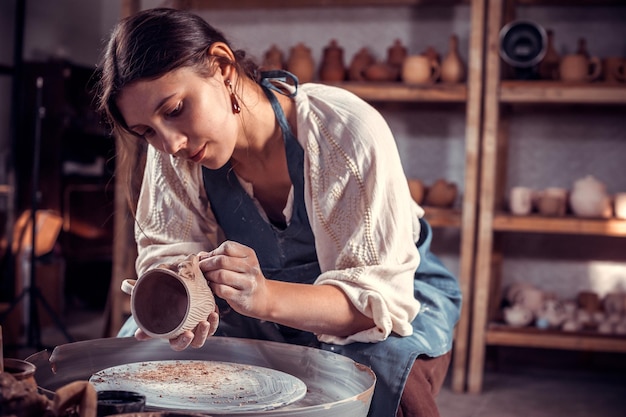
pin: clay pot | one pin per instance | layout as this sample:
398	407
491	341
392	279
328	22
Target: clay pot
590	199
300	63
332	68
579	68
396	54
549	65
552	201
432	54
417	190
361	60
420	70
380	71
165	303
614	69
441	194
273	59
21	370
452	66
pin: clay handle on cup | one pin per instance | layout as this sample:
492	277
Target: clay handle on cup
128	285
436	70
619	72
597	68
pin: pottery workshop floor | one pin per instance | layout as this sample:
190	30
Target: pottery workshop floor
523	382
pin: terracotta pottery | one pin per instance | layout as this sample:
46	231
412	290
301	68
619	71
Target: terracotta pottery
549	65
552	201
396	54
360	61
582	48
579	68
332	68
614	69
417	190
21	370
301	63
589	198
441	194
452	66
166	302
432	54
273	59
381	71
420	70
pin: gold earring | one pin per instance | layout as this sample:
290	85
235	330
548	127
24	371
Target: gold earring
233	99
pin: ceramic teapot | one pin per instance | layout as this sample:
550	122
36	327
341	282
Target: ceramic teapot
589	198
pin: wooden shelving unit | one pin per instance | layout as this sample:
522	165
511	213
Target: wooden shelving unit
501	97
469	95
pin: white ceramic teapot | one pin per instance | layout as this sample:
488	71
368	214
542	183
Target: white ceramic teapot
589	198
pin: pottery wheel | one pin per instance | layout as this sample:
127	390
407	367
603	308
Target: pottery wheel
208	386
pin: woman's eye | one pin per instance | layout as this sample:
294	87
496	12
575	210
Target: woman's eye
176	110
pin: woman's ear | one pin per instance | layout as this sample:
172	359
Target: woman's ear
223	51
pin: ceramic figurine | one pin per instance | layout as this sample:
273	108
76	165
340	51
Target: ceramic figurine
517	316
590	199
526	295
452	66
552	313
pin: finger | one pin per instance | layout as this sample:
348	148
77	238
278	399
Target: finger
201	332
182	342
141	335
214	321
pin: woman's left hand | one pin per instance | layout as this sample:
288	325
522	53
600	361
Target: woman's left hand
234	274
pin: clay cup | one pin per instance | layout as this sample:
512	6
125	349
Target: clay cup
521	200
579	68
166	302
614	69
420	70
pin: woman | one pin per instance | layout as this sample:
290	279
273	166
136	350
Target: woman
293	196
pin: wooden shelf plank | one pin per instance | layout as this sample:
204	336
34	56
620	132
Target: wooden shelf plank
562	3
441	217
266	4
399	92
502	335
560	92
565	225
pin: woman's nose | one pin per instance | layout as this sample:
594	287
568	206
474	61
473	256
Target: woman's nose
173	142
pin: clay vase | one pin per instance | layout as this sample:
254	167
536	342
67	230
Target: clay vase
420	70
417	190
360	61
579	68
590	199
332	68
614	69
452	66
166	302
549	65
301	63
396	54
441	194
273	59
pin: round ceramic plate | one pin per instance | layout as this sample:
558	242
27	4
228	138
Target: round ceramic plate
208	386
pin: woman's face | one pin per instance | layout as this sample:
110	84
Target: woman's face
183	114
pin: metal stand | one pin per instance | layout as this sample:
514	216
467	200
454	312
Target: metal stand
32	292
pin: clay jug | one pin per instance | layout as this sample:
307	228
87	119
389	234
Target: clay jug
452	66
579	68
420	70
273	59
332	68
549	65
396	54
361	60
300	63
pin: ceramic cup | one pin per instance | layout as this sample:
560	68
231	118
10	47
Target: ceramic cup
420	70
21	370
620	205
614	69
521	200
552	201
579	68
165	303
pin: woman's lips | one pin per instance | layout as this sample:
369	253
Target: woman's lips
198	156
